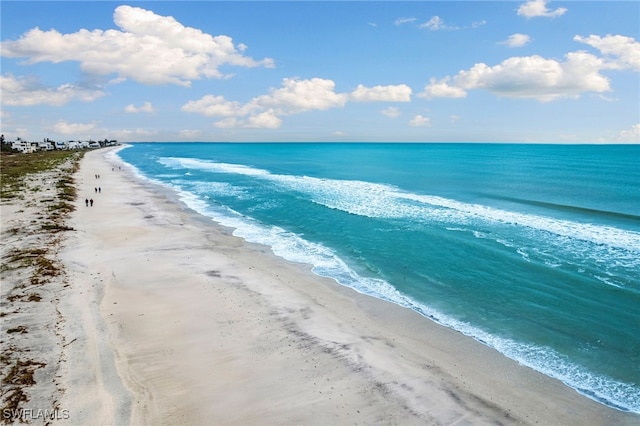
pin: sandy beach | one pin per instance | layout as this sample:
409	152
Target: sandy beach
169	319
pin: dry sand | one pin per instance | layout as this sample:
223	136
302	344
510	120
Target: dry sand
175	321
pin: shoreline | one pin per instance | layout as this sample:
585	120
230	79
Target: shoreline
314	321
178	321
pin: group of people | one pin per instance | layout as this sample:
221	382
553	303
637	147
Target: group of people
89	201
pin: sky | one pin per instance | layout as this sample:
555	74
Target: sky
533	71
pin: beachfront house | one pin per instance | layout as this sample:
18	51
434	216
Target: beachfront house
24	146
45	146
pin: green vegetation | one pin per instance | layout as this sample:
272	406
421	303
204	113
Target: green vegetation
14	168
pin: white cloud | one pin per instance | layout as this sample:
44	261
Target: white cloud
294	97
630	135
420	121
544	79
132	134
517	40
391	112
302	95
263	120
442	89
27	92
620	51
538	78
401	21
536	8
70	129
436	23
229	123
214	106
146	107
391	93
478	24
148	48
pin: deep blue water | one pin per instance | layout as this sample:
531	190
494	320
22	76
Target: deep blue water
533	250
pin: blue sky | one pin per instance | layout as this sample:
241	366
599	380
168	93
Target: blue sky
506	71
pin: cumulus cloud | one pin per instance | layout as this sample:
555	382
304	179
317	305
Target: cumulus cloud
301	95
146	107
20	91
620	51
536	8
630	135
517	40
543	79
69	129
420	121
132	134
436	23
391	112
215	106
148	48
397	93
295	96
442	89
263	120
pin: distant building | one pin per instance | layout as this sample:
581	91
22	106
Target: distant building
45	146
24	146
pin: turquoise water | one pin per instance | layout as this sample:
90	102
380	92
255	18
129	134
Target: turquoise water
533	250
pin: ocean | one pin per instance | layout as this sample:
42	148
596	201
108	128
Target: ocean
533	250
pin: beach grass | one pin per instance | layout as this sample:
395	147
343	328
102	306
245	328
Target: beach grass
40	189
14	168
